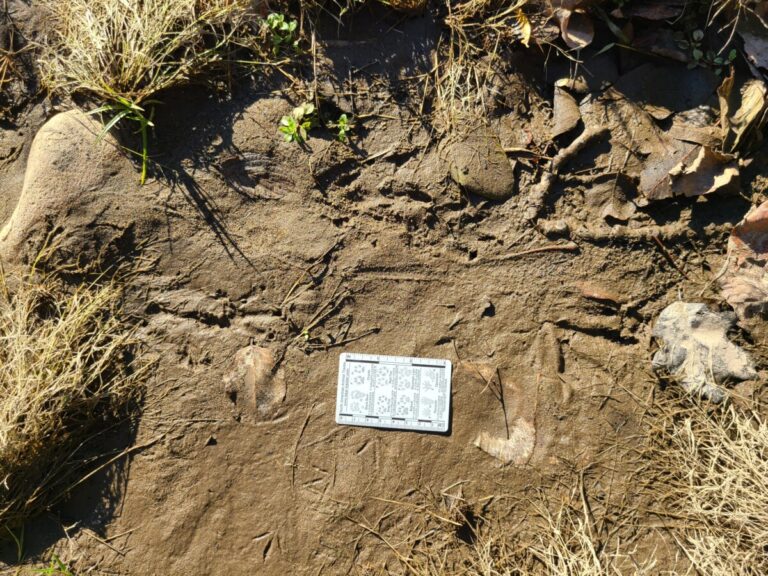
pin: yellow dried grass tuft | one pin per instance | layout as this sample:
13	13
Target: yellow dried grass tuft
708	469
132	49
65	368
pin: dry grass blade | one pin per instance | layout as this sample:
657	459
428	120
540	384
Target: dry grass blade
456	539
64	368
478	30
123	52
709	466
133	49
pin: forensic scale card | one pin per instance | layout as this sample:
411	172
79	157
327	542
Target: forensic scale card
394	392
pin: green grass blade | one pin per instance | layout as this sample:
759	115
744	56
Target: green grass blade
111	124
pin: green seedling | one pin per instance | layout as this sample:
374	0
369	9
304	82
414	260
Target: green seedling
55	568
123	109
282	32
700	56
296	126
342	126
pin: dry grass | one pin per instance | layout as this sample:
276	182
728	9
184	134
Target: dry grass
133	49
122	53
457	537
406	6
64	369
708	470
478	32
696	503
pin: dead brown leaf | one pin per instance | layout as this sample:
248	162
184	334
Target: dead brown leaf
744	282
566	114
576	27
654	9
754	33
609	201
700	171
743	113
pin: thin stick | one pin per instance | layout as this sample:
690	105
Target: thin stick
90	533
538	194
565	247
668	257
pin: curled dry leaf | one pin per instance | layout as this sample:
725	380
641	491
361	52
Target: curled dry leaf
744	282
701	170
743	113
576	27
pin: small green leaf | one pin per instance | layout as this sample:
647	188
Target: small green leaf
111	124
698	35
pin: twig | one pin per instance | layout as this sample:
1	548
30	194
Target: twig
90	533
332	305
538	194
125	452
378	535
501	399
345	340
668	257
565	247
296	446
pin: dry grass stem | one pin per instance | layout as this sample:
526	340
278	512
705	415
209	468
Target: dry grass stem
133	49
64	369
710	467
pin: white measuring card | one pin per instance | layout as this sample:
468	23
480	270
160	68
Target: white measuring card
394	392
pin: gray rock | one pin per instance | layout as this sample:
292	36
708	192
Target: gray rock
696	350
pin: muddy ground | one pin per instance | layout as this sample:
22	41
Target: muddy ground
246	240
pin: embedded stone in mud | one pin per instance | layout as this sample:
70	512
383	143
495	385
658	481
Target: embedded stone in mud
517	449
480	165
66	187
